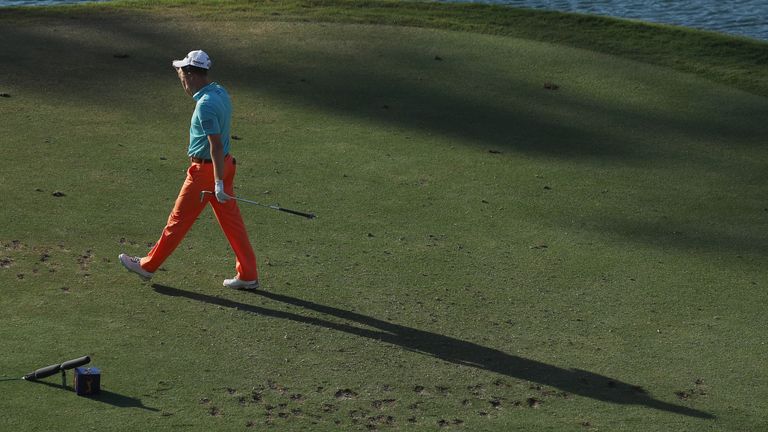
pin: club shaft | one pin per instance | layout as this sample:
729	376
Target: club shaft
256	203
276	207
273	207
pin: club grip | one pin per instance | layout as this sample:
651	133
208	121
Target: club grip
298	213
43	372
75	362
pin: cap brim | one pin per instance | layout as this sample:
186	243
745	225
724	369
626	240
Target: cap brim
180	63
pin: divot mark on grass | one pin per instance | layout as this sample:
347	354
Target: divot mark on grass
476	390
380	420
385	403
358	415
256	396
448	423
345	394
14	245
276	387
85	260
697	390
533	402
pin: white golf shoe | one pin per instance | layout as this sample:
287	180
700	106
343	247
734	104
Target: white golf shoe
236	283
134	264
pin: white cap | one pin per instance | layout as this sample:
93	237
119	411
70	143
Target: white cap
197	58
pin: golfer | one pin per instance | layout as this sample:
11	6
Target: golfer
211	168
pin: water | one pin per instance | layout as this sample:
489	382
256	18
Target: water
43	2
737	17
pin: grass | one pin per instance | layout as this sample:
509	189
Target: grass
488	254
736	61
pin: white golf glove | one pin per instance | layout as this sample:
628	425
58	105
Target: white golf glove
221	196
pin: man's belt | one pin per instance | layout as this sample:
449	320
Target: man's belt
205	161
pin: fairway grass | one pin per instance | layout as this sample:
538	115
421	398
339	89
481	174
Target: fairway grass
513	234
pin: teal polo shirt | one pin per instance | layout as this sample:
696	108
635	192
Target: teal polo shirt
213	115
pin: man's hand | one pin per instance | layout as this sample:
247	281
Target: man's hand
221	196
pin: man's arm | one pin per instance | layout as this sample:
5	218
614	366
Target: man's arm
217	158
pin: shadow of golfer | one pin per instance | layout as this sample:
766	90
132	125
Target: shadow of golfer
107	397
575	381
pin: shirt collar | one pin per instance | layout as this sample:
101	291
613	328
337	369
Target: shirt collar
200	93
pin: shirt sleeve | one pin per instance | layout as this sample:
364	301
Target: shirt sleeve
209	121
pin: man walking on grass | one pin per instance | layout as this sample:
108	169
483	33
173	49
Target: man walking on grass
211	168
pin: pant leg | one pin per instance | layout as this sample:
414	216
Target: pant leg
184	214
231	222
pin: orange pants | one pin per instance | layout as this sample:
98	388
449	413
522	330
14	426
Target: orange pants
188	207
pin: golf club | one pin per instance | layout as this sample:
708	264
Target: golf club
274	207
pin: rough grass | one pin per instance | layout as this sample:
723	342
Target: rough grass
512	234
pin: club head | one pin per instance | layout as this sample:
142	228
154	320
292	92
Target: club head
202	195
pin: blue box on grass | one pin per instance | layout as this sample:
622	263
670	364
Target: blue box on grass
87	381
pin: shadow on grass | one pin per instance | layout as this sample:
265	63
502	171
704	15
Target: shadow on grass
107	397
575	381
400	85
